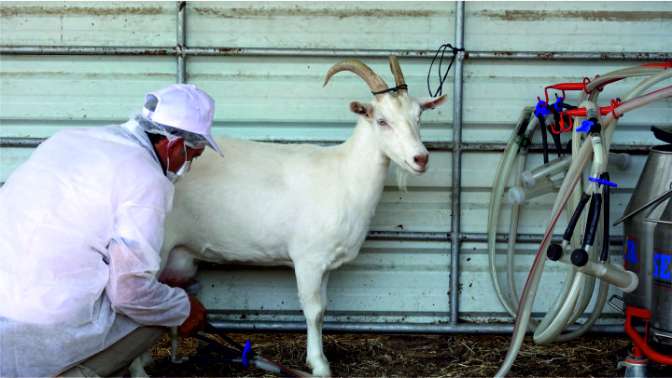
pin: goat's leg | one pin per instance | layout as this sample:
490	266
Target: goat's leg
137	367
312	293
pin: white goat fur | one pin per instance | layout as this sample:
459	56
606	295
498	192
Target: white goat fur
303	206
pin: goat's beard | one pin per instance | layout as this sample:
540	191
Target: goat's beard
402	179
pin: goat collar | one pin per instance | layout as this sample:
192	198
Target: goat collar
402	87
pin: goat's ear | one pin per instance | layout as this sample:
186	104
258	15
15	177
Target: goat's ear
432	102
362	109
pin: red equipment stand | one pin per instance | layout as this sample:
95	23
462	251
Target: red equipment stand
636	362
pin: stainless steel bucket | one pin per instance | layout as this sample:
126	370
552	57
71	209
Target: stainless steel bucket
648	201
661	305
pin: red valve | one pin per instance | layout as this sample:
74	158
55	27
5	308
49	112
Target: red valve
564	127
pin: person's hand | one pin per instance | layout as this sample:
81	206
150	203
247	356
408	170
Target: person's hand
196	320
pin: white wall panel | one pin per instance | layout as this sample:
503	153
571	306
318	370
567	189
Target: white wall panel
77	89
81	23
287	94
641	26
343	25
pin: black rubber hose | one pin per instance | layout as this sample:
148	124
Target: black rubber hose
544	139
558	144
522	127
605	221
593	220
569	231
556	137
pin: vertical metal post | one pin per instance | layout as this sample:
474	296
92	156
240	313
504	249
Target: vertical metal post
456	187
181	27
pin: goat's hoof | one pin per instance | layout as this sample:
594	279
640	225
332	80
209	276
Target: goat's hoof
321	370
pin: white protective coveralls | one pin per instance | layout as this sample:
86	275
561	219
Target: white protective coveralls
81	227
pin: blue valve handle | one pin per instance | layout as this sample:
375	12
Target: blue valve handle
541	110
559	102
585	127
247	351
603	181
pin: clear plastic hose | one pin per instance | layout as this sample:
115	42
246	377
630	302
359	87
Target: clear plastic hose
504	168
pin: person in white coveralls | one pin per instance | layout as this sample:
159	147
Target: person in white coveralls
81	228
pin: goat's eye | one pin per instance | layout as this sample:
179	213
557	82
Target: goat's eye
383	123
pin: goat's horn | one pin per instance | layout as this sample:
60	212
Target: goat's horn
396	71
374	81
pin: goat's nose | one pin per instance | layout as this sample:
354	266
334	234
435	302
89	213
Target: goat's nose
421	160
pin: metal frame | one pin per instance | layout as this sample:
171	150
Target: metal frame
327	53
456	185
445	328
455	236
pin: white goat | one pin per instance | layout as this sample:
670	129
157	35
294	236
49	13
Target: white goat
303	206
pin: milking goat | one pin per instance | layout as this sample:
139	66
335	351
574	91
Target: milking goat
303	206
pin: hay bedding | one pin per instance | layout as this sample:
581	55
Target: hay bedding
368	355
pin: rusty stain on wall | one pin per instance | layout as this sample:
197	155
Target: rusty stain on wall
298	11
537	15
66	10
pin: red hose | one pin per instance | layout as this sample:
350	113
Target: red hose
650	353
663	65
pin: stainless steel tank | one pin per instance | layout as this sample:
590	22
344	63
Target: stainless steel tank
647	201
661	305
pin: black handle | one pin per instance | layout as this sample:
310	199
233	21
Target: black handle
579	257
554	252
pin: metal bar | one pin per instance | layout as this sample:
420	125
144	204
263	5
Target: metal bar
85	50
181	58
456	186
560	55
461	328
22	142
472	237
475	237
320	53
641	149
365	53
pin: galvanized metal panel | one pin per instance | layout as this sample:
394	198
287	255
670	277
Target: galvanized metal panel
343	25
283	98
641	26
76	23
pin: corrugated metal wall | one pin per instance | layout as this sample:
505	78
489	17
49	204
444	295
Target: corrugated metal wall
264	64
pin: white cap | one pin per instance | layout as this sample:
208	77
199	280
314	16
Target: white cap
528	179
184	107
516	195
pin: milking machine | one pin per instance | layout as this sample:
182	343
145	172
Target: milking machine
229	350
584	194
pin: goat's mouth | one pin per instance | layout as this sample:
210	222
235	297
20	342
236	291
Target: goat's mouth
413	170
